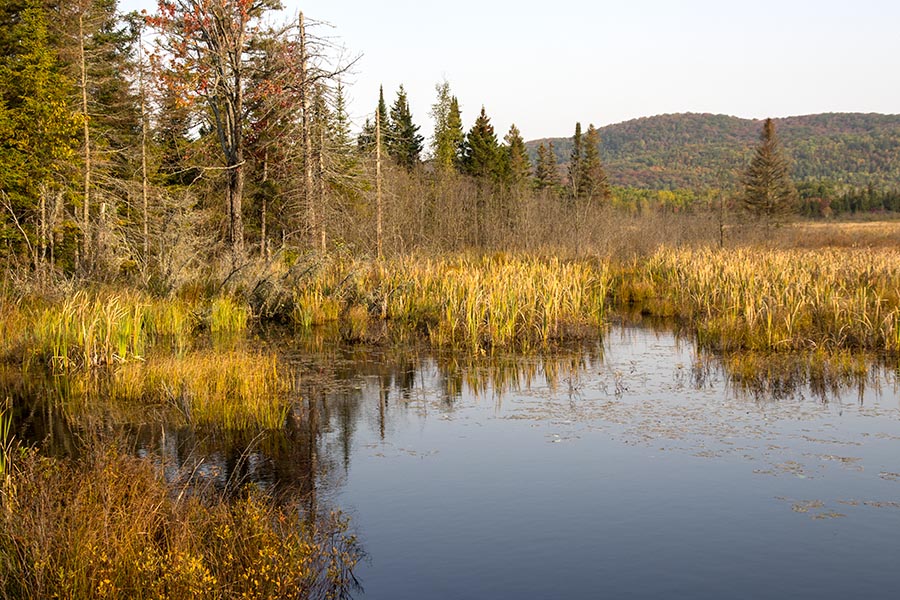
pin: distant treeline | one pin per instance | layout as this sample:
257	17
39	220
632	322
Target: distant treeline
825	199
698	151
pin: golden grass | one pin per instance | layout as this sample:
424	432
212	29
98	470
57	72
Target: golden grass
108	526
774	300
463	301
234	390
841	234
96	329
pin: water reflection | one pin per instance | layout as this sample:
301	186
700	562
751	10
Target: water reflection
339	388
585	461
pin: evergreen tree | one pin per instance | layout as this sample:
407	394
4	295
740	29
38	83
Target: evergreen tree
545	173
768	190
517	166
482	152
366	138
404	144
109	69
575	166
38	129
593	182
448	139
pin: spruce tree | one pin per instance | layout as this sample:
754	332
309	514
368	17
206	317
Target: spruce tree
769	193
404	144
481	158
575	168
593	181
545	173
38	129
517	166
366	138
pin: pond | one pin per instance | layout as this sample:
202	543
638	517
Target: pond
627	468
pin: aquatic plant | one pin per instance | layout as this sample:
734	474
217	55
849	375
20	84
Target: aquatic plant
476	302
221	389
228	317
773	300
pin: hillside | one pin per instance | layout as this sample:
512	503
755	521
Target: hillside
697	150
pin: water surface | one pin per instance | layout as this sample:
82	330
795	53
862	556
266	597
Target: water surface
630	468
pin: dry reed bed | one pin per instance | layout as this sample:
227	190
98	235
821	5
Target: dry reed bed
108	526
774	300
468	302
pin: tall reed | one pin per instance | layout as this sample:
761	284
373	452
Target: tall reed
773	300
477	302
233	390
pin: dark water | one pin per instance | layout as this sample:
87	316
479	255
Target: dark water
628	469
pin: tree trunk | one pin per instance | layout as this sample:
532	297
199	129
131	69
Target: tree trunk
320	196
145	182
235	200
263	208
378	183
305	137
87	139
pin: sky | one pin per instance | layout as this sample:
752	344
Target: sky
546	65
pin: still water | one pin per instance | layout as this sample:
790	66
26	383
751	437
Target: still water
633	470
630	468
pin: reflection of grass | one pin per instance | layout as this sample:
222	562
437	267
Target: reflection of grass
775	375
771	300
462	301
107	526
232	390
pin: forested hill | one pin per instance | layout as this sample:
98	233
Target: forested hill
696	150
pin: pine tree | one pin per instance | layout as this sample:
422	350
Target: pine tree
517	166
482	152
545	173
768	191
593	181
575	167
404	144
448	138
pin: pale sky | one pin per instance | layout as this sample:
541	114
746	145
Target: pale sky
546	65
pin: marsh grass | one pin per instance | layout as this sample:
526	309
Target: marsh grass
97	329
774	300
228	317
468	302
108	526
